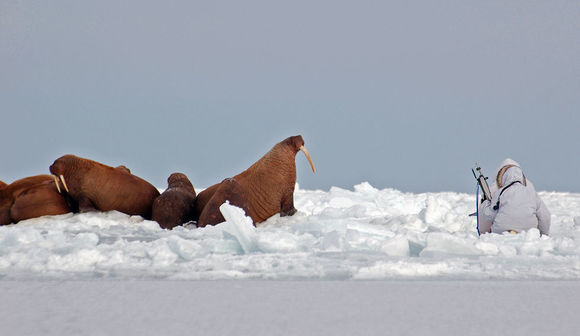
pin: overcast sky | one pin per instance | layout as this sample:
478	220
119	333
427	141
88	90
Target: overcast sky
402	94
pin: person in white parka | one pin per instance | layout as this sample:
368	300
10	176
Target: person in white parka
515	205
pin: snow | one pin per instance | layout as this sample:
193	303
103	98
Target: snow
405	263
360	234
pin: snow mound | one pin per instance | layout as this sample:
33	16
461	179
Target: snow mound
363	233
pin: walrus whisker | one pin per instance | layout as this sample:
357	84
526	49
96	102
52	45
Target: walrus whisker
57	184
302	148
64	183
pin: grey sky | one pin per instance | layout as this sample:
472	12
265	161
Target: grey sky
405	94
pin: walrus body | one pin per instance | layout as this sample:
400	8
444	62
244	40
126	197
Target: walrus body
95	186
264	189
228	190
175	205
31	197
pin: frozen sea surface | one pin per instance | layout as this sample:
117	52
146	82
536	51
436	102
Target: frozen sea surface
409	264
258	307
359	234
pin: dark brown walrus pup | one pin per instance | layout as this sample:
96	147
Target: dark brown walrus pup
31	197
263	190
95	186
175	205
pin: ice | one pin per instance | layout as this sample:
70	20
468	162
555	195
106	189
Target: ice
67	274
254	307
240	226
362	233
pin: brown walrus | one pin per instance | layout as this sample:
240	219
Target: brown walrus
175	205
95	186
264	189
31	197
228	190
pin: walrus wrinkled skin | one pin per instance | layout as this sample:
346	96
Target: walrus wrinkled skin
228	190
263	190
175	205
31	197
95	186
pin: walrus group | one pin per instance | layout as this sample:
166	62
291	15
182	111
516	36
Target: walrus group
80	185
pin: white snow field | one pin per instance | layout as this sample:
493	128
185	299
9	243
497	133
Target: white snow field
409	264
363	233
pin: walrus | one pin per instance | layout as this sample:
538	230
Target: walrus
228	190
175	205
95	186
2	184
31	197
265	189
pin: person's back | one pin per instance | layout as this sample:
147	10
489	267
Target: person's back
515	205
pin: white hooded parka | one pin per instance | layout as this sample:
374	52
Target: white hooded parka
515	204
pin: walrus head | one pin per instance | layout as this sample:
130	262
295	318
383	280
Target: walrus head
179	180
59	169
297	144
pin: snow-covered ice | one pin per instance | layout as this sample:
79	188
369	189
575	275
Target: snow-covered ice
411	264
359	234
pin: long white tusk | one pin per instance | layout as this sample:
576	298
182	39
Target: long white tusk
63	183
302	148
56	182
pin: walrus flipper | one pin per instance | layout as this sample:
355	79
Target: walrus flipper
287	205
85	204
5	218
229	190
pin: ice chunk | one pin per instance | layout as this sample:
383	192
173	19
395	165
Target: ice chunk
396	247
240	226
443	244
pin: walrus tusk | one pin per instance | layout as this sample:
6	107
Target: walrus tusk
63	183
56	182
302	148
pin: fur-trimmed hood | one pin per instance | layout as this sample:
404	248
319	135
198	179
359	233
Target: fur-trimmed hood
509	171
